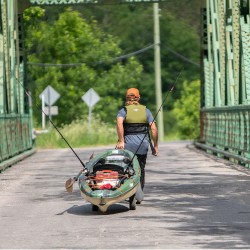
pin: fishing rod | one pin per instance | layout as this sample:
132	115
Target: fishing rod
38	108
170	90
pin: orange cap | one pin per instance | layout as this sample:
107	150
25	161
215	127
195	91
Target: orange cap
133	92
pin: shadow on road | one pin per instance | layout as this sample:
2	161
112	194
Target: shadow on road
86	210
208	206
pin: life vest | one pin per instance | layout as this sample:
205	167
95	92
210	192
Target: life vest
136	120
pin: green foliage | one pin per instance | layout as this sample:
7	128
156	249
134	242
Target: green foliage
33	14
79	134
186	111
71	40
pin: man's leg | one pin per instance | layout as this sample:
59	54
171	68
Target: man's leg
142	161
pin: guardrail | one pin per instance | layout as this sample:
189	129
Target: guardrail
15	135
226	132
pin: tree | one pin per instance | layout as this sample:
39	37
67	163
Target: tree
186	110
80	56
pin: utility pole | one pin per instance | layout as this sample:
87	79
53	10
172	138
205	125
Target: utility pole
157	58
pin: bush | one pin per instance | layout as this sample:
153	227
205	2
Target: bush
187	111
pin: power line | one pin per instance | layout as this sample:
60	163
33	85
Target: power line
99	62
182	57
112	60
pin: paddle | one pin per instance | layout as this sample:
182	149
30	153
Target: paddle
70	182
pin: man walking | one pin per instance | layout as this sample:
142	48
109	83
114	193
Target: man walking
133	124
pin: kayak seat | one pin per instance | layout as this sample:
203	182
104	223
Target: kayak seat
109	166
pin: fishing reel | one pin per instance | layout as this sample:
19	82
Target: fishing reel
126	160
85	171
130	171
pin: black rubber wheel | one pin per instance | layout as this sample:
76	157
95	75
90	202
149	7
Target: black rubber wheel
94	208
132	202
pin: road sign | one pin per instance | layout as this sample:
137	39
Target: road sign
50	95
51	110
91	97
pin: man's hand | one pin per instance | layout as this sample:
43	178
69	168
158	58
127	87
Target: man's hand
155	150
120	145
155	138
155	153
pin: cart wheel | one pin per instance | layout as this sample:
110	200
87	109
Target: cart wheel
94	208
132	202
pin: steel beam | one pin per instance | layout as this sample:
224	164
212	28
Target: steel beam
236	48
245	34
15	120
226	67
225	115
57	2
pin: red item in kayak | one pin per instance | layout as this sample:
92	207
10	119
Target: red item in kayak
106	186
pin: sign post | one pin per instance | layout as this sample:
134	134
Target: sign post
43	115
90	98
49	96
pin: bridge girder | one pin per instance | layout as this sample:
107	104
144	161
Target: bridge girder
56	2
225	112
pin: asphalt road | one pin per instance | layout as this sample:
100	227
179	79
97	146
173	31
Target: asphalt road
192	201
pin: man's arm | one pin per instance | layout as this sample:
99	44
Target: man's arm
120	132
154	132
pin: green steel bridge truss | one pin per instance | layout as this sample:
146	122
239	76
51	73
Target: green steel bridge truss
15	114
225	89
225	104
53	2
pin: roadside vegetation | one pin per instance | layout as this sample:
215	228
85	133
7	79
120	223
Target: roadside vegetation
78	134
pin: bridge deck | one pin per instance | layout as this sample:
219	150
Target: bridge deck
191	201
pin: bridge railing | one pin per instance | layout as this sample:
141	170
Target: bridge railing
226	132
15	135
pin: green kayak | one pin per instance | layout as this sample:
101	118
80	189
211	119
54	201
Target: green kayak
113	176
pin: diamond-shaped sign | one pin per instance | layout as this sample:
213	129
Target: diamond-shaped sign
50	95
91	97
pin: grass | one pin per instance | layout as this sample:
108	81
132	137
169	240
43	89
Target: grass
78	134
